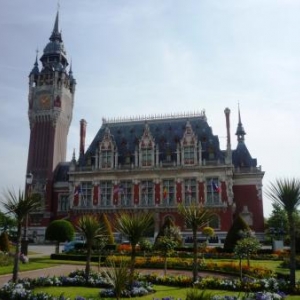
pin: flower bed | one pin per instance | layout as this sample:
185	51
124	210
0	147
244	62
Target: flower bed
143	285
157	262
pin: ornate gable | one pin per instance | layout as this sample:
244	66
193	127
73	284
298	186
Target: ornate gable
147	140
189	137
146	148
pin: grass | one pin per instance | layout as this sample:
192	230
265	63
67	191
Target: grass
161	292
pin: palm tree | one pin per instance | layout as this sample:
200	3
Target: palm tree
195	217
20	206
286	193
91	228
134	226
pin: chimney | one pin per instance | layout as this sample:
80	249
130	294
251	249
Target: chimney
82	137
227	115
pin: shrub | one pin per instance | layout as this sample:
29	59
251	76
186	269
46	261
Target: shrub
4	242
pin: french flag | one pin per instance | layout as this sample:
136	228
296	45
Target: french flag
215	187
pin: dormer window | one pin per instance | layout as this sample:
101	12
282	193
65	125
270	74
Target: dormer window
189	146
107	151
146	147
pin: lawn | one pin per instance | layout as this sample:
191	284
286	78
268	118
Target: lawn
161	292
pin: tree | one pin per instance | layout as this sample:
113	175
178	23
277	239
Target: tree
277	223
169	223
286	193
167	242
245	247
134	227
20	206
195	217
90	227
59	231
234	233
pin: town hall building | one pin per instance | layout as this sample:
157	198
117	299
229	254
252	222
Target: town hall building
148	164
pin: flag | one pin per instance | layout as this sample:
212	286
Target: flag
118	189
96	194
77	190
215	187
165	193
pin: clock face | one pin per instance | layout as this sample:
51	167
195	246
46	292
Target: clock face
45	101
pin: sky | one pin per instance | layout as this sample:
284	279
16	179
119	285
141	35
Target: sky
140	58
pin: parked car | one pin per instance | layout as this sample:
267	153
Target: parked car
73	245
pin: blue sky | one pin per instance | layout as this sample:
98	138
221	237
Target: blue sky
134	58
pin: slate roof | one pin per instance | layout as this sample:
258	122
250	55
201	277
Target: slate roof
167	134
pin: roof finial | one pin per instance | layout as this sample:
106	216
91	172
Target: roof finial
240	132
56	35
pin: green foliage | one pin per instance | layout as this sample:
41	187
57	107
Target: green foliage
7	223
145	245
196	294
90	227
234	233
195	216
60	231
117	276
20	206
169	229
286	193
134	226
107	230
4	242
5	260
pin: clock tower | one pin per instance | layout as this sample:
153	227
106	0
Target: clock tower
51	101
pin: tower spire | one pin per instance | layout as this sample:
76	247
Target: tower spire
240	132
56	35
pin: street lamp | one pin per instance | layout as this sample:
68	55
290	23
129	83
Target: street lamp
24	245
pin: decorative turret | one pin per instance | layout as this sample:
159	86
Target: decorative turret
35	70
240	132
54	57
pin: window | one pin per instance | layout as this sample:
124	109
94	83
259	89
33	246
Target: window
86	193
147	192
146	156
190	189
106	192
63	203
189	155
106	159
212	191
168	192
125	193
